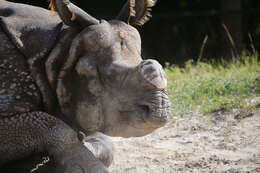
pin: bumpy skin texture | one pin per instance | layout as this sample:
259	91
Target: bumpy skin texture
33	132
60	77
18	90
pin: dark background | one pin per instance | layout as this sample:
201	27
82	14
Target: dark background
178	27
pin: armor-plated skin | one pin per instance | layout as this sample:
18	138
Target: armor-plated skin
66	73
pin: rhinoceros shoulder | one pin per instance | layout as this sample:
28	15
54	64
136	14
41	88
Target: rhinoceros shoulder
27	33
18	91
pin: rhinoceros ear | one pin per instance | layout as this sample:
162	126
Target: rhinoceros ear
136	12
71	14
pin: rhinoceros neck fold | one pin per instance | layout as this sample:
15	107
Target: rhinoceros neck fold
45	69
52	66
59	55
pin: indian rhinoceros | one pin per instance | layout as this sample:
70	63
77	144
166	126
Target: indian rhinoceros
65	74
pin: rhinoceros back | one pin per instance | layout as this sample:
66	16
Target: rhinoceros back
33	30
27	33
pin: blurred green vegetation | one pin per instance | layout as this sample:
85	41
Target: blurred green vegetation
212	86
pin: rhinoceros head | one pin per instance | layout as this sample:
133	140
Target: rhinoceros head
105	85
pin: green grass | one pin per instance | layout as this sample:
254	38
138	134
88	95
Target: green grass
211	86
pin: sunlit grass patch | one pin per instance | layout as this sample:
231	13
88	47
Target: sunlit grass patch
211	86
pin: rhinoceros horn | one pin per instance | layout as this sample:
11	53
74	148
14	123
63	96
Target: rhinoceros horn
153	72
71	14
136	12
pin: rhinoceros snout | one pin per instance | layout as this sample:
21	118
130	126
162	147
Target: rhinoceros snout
159	108
157	102
153	72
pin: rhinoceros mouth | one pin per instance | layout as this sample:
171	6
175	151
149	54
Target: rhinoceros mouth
158	113
157	109
154	117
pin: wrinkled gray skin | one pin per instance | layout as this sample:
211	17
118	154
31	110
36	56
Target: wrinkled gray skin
60	75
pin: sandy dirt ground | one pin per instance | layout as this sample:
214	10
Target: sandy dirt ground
225	142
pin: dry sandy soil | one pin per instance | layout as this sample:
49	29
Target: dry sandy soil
226	142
